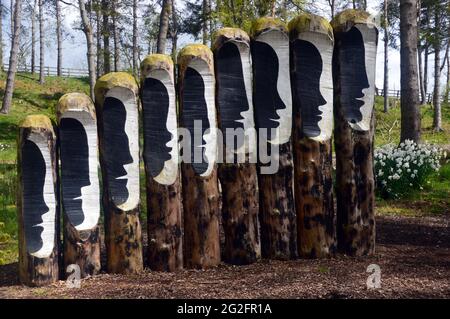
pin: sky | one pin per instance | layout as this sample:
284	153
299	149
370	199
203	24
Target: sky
74	47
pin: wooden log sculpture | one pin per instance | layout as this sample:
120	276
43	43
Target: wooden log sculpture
118	128
354	63
238	176
164	205
80	189
37	202
273	111
312	41
199	172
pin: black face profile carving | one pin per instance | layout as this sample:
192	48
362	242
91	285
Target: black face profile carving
266	98
195	109
74	168
353	74
232	97
33	175
307	75
155	99
116	148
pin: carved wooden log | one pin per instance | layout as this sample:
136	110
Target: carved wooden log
161	163
117	110
354	87
273	111
199	149
80	189
312	41
237	174
37	202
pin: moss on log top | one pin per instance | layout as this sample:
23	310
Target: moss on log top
346	19
111	80
265	24
229	34
195	51
309	23
156	62
37	121
74	102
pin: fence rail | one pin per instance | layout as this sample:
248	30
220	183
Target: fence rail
52	70
396	94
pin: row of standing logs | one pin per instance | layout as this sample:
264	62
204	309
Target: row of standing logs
291	81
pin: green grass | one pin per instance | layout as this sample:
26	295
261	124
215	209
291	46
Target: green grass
32	98
388	124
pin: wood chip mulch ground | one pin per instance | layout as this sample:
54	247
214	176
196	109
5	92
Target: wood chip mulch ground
413	253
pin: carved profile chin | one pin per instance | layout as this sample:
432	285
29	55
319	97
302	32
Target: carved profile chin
121	146
39	204
160	127
234	97
198	105
312	53
79	176
272	88
358	60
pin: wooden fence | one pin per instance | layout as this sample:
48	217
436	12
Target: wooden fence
52	71
396	94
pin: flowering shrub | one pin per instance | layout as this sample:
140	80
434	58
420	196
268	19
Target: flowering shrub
398	169
4	147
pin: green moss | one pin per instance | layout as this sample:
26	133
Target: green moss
192	51
111	80
37	121
347	18
310	22
156	62
225	34
74	101
265	23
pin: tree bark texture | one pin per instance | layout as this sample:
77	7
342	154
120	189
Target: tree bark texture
164	206
354	78
240	199
116	107
273	111
409	102
80	191
199	178
13	57
312	42
89	34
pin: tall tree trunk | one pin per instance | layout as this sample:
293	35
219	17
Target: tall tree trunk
425	70
437	118
11	10
135	38
421	84
386	59
206	6
447	86
410	112
58	38
13	56
1	36
106	51
115	36
98	35
41	42
174	32
89	33
33	38
163	26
